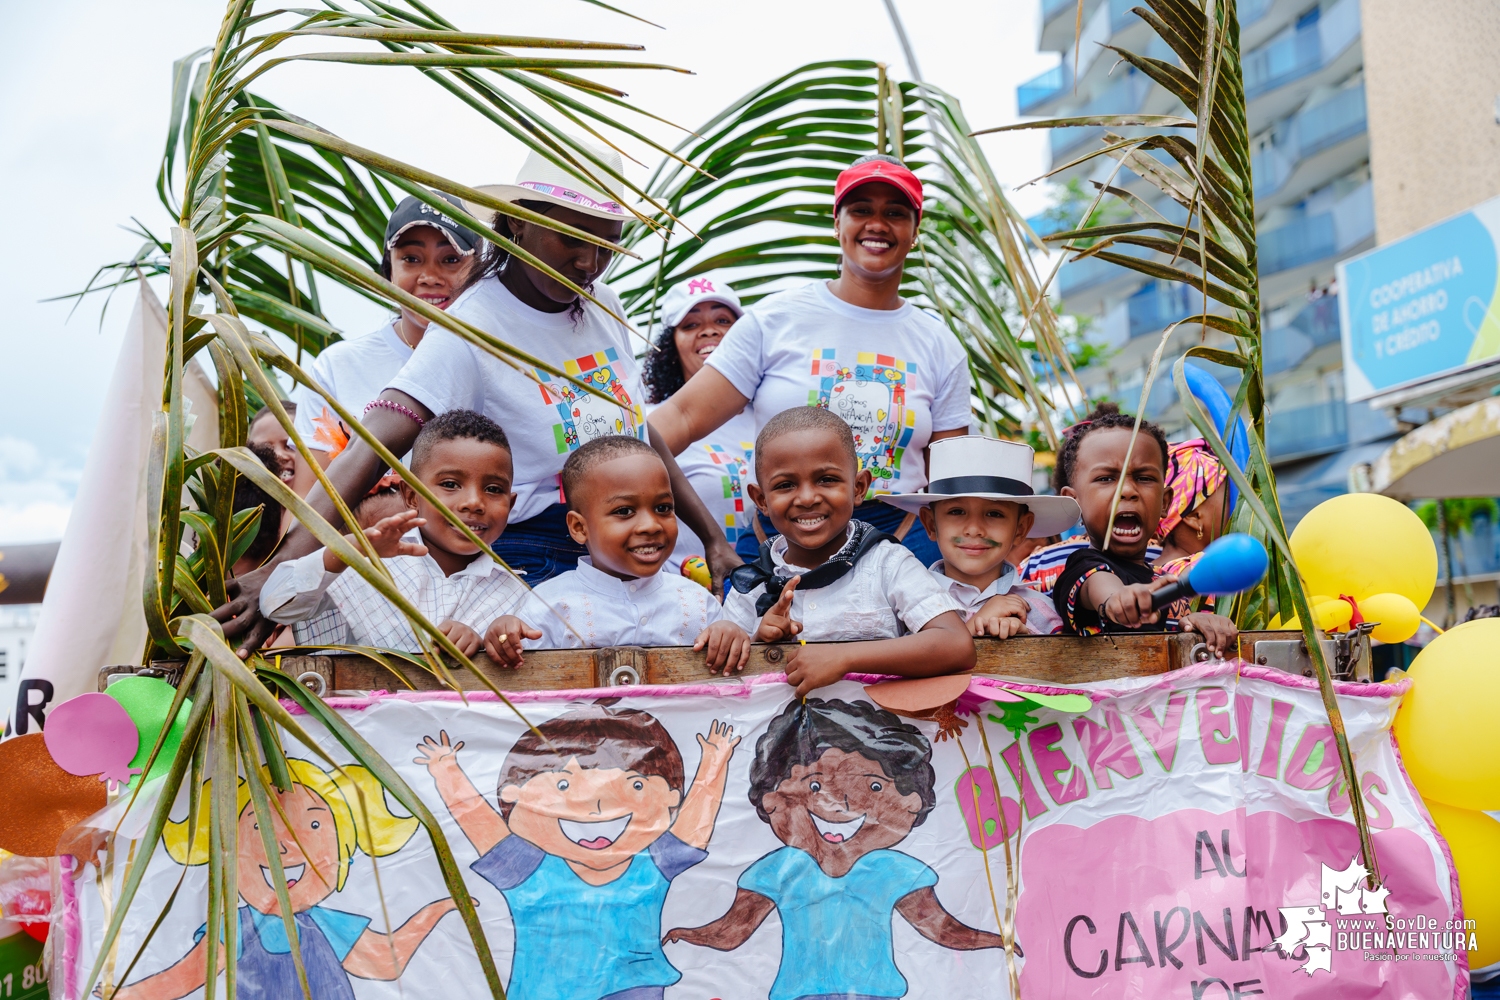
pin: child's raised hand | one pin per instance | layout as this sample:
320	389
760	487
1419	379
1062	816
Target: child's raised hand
777	623
1131	604
433	755
466	639
1218	632
726	646
502	640
719	743
1002	616
387	535
811	667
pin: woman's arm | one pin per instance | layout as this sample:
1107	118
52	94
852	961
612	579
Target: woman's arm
923	911
352	474
696	410
717	551
375	956
943	646
731	930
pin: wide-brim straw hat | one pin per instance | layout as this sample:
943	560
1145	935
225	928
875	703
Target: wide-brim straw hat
976	466
542	180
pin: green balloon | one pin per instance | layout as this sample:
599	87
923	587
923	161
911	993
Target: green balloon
147	700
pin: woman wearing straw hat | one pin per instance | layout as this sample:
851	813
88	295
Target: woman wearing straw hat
544	417
695	316
851	345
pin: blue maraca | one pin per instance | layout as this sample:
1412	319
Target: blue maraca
1230	565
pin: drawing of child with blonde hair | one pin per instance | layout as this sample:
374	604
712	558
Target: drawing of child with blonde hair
327	825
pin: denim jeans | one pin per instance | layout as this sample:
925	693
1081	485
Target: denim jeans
540	547
881	515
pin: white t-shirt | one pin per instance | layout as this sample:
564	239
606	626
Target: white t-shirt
718	466
543	422
895	375
354	372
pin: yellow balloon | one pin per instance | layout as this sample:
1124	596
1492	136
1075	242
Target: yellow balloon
1332	615
1474	841
1446	724
1363	543
1399	618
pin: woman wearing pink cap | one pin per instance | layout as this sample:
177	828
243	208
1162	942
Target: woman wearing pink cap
852	345
695	316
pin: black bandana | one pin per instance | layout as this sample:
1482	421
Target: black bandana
746	578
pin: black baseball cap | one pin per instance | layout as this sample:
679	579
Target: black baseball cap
415	212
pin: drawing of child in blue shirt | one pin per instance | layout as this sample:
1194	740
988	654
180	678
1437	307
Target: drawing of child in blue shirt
592	828
840	783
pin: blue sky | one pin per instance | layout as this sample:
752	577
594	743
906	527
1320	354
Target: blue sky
83	127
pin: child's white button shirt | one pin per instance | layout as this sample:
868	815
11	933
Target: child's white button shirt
888	593
658	610
343	609
1041	618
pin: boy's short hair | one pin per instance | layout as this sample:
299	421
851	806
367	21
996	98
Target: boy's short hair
595	453
455	425
248	496
801	733
265	411
598	736
806	418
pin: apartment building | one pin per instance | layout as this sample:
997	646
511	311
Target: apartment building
1304	76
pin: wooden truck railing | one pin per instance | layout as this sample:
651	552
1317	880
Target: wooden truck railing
1050	659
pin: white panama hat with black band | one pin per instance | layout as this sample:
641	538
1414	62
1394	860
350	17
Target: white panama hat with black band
973	465
542	180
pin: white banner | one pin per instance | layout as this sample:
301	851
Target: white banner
1170	837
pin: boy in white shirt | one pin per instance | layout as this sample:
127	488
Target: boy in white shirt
979	503
830	577
620	507
464	459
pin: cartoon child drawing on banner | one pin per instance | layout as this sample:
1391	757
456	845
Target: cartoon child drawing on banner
592	828
585	416
871	398
326	828
840	783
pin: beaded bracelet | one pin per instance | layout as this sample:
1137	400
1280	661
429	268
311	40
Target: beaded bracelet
391	404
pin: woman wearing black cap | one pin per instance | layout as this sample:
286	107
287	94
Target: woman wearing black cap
852	345
426	254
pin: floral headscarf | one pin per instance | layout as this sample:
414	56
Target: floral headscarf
1193	474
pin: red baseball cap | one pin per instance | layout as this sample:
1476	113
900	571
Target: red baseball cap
879	169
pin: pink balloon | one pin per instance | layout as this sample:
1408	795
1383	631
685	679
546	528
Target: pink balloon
93	734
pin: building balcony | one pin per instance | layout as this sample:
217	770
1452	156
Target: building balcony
1041	88
1319	237
1315	326
1280	74
1123	97
1306	430
1312	131
1159	304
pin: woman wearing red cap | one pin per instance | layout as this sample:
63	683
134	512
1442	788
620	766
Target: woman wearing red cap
852	345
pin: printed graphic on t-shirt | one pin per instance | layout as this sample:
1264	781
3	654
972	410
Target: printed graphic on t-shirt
735	466
584	415
871	397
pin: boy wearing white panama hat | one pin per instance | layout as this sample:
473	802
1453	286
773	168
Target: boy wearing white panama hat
978	503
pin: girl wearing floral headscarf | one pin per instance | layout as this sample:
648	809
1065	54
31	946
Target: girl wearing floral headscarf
1195	514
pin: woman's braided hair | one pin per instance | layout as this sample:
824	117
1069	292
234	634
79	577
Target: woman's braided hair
1105	416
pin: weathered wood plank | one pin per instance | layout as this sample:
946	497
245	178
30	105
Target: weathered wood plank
1044	659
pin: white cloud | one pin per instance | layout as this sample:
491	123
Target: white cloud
36	492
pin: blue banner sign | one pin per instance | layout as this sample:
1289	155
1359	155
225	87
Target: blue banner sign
1424	306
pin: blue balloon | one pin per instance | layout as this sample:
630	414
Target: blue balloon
1218	403
1234	563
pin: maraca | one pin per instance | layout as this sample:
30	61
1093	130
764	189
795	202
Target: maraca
1234	563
